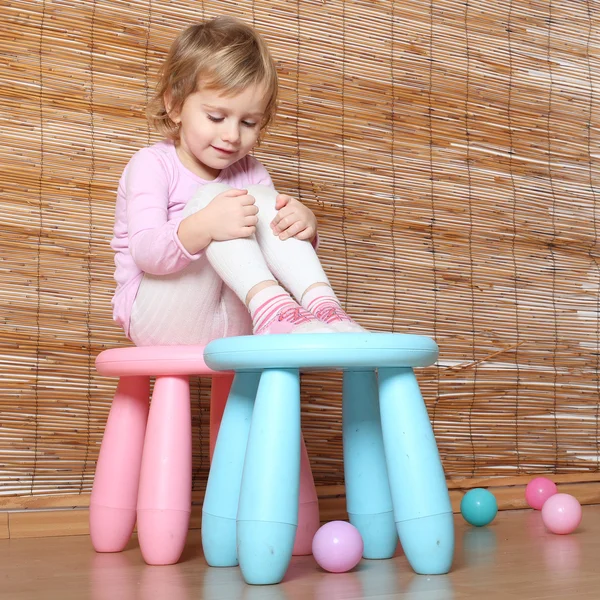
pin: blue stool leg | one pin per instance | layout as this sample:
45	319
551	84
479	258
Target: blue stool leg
220	506
420	495
368	497
268	511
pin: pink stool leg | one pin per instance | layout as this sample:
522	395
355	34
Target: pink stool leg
218	398
308	510
114	494
165	495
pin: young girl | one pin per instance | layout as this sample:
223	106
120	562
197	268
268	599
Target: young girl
204	244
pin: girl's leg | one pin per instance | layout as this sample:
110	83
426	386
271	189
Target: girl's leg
296	265
192	306
241	265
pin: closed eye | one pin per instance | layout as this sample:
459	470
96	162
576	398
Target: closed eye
249	124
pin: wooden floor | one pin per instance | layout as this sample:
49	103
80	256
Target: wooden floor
512	558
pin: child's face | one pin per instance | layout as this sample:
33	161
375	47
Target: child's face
218	130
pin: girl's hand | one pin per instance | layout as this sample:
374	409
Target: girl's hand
231	215
293	219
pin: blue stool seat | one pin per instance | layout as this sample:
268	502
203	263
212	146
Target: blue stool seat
395	484
321	351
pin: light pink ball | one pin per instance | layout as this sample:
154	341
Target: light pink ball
538	490
561	513
337	546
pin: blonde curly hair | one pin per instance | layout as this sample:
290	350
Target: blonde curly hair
222	54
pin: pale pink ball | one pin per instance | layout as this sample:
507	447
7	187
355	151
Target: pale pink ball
337	546
561	513
538	490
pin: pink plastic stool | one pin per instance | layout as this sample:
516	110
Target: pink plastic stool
144	469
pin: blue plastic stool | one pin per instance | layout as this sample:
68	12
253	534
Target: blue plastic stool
395	484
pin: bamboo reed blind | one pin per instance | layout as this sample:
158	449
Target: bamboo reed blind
449	149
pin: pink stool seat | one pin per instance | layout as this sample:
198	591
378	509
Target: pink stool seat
144	468
153	361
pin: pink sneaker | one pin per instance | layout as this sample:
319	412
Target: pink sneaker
292	319
335	317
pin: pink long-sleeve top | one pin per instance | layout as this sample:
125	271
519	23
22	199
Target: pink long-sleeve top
152	193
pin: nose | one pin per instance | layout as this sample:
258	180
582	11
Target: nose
231	133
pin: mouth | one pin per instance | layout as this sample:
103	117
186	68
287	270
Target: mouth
223	151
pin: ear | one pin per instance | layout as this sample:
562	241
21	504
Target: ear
173	115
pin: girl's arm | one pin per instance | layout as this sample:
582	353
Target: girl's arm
153	241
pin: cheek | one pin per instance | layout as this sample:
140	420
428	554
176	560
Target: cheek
251	137
201	133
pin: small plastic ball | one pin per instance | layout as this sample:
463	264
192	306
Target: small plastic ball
337	546
479	507
561	513
538	490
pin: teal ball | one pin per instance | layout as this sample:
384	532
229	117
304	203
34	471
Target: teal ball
479	507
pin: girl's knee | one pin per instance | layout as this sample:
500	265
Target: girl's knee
264	195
